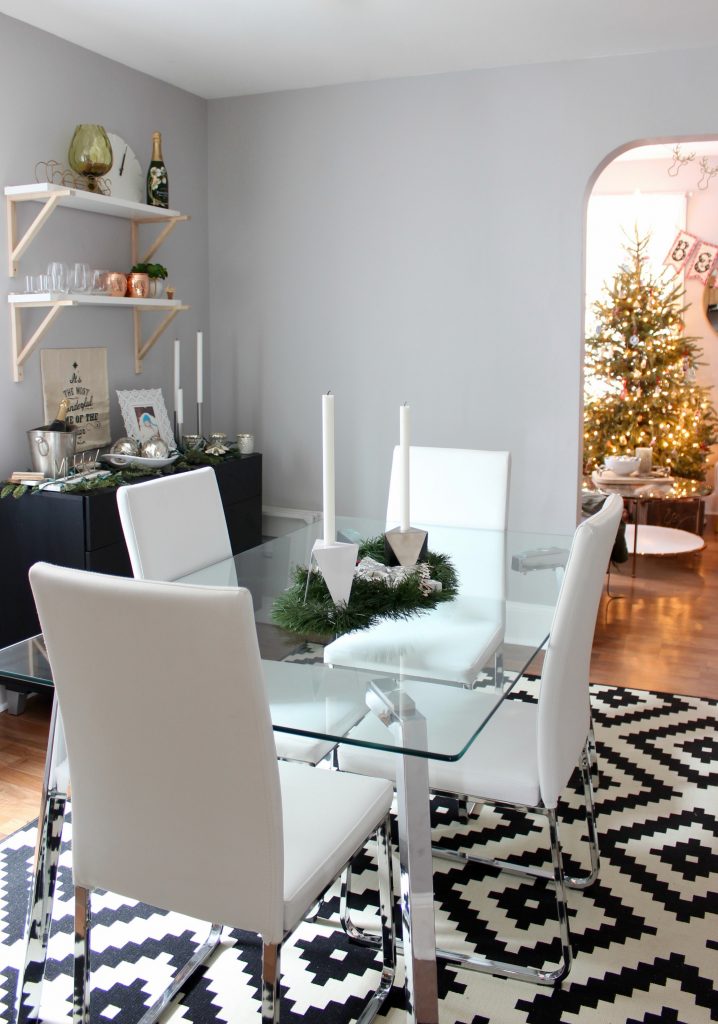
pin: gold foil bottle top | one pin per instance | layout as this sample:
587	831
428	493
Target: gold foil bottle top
156	145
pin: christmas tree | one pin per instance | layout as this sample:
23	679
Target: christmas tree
640	376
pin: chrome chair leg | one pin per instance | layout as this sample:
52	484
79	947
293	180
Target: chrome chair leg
199	957
344	913
555	875
584	881
592	754
516	971
81	997
499	669
81	986
39	915
463	810
515	868
271	969
387	936
53	802
561	904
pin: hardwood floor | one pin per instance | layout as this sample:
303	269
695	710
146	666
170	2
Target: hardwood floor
23	739
658	631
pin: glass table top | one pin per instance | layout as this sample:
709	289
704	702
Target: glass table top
508	580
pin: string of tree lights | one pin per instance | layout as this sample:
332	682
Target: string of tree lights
640	374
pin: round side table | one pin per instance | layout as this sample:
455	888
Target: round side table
661	540
646	496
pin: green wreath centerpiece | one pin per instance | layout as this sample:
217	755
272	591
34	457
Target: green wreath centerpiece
307	608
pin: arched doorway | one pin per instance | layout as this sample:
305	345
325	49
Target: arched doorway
659	190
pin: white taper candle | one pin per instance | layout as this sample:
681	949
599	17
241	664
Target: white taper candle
180	407
404	443
199	367
330	528
177	371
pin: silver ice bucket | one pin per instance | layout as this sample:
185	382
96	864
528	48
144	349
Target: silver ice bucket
51	451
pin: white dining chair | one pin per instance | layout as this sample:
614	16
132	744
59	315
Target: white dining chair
195	815
450	488
526	754
175	525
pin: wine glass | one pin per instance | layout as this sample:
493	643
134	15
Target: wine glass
81	279
59	278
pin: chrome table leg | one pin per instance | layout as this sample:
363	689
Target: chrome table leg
417	881
42	891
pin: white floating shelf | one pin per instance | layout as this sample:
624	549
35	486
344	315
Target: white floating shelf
90	202
49	197
41	299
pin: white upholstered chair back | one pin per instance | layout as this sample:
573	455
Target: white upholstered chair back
458	487
452	487
174	525
175	802
563	713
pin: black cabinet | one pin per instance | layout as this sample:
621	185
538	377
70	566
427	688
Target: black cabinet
83	531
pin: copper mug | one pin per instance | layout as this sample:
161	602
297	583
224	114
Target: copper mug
138	285
109	282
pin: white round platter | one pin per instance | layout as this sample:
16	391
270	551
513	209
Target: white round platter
118	461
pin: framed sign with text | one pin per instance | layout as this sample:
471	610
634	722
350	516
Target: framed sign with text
80	376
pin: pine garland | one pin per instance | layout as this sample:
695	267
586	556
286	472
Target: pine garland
310	611
188	460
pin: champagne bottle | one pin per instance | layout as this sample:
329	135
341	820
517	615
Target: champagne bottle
157	186
59	423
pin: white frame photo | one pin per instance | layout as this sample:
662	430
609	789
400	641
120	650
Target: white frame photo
145	415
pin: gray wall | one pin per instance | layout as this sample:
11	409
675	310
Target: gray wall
48	86
417	240
421	240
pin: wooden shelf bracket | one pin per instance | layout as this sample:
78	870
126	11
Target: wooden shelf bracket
141	349
16	247
166	230
20	352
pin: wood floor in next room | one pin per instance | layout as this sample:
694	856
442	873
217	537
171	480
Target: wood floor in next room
657	631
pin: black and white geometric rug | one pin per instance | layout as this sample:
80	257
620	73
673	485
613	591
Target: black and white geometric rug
645	936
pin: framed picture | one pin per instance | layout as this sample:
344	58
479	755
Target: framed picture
80	376
145	415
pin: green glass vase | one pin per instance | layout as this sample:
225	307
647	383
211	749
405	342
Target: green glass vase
90	153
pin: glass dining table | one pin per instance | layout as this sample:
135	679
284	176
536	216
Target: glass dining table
508	587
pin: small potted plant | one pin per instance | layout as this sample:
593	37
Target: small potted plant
157	274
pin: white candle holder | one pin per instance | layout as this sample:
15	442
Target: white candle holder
406	547
337	561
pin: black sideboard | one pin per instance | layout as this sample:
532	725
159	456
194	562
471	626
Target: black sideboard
83	531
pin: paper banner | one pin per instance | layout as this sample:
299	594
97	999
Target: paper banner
681	251
702	261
